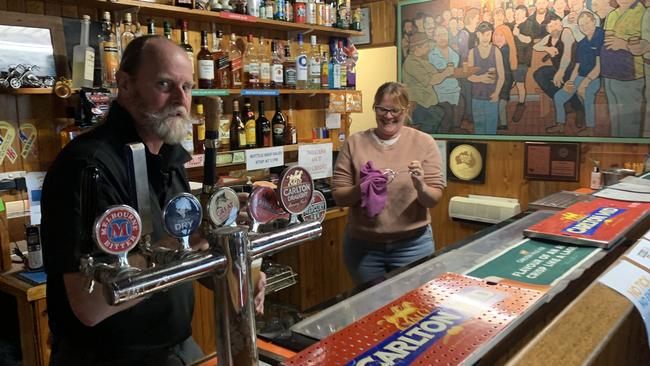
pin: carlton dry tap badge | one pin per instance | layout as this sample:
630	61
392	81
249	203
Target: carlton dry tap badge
600	223
447	321
182	215
118	230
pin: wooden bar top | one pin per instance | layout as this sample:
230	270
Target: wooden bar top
19	288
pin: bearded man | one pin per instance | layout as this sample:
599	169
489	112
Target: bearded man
155	85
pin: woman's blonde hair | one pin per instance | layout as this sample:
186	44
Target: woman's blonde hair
397	91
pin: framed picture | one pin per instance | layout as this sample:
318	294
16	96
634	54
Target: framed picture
552	161
30	39
470	75
466	161
365	28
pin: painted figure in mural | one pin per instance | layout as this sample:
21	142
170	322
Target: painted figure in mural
487	81
446	17
419	76
560	8
622	71
522	31
602	8
445	59
419	21
499	17
454	32
429	26
510	17
643	48
505	41
467	41
585	76
408	28
558	45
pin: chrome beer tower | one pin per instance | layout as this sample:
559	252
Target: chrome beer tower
227	260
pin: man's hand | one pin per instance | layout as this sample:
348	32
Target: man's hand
615	43
260	286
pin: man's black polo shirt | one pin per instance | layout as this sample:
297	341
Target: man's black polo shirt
165	318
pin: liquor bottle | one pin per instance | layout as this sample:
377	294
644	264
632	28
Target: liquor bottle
237	129
268	5
184	3
262	9
301	65
342	58
224	133
236	63
83	59
279	10
138	30
335	75
262	128
253	7
251	65
185	44
277	69
351	70
188	141
265	65
356	20
205	63
167	30
198	130
288	10
278	124
151	27
108	52
249	123
290	134
290	71
314	65
325	71
310	12
221	60
127	35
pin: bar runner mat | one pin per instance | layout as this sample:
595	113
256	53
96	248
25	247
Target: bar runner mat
444	322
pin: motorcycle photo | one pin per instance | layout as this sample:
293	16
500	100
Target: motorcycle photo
23	76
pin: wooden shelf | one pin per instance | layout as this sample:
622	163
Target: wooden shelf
29	91
222	17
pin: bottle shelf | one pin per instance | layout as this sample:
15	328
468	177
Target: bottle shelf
261	92
223	17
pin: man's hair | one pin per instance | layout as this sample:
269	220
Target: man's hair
587	14
522	7
132	56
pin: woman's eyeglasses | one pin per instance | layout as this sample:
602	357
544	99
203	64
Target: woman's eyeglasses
382	111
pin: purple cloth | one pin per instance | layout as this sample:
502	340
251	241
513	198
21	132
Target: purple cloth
374	191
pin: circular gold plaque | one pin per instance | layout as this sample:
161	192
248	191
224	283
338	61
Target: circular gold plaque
466	162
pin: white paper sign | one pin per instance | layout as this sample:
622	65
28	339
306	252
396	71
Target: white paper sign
34	182
633	283
333	120
640	253
267	157
317	159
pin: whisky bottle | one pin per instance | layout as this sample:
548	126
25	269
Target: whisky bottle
301	65
83	59
251	65
290	133
151	27
277	70
262	128
236	63
167	30
325	66
237	129
314	65
198	130
278	124
127	35
221	61
249	123
184	3
224	133
265	65
185	44
290	71
108	52
205	63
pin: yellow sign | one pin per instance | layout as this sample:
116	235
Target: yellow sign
466	162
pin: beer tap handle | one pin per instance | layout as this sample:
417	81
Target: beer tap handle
213	108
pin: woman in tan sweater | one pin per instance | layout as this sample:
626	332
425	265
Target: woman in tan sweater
400	233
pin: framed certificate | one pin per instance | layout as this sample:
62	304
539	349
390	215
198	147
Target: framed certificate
552	161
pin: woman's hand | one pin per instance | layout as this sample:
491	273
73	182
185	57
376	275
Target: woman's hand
417	174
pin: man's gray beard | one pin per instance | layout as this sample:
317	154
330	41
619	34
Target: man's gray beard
170	125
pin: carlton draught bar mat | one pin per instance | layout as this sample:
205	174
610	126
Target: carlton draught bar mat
444	322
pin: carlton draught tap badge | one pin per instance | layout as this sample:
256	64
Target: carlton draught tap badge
118	229
295	190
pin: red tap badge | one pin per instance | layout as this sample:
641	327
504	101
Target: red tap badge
295	190
263	206
118	229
